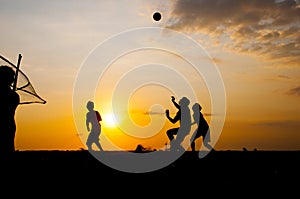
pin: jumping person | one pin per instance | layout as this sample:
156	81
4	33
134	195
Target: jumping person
184	117
172	132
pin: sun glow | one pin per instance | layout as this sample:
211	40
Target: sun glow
109	120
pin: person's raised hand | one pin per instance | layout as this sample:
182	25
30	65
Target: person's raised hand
167	112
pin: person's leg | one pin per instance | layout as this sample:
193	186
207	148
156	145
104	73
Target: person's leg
99	146
97	142
207	145
89	142
195	136
176	143
193	145
171	133
206	141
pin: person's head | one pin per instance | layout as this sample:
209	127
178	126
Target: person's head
184	101
7	75
90	105
196	107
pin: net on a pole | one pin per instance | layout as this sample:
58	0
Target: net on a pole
24	87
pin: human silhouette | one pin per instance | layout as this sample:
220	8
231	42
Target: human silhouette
202	128
184	118
172	132
142	149
139	148
9	101
93	119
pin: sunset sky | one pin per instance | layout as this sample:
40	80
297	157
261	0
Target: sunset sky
254	44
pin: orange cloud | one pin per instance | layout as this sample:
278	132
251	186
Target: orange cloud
294	91
267	28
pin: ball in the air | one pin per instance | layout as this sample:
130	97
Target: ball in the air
156	16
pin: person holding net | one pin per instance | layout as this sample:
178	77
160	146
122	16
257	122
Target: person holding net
15	90
9	101
22	85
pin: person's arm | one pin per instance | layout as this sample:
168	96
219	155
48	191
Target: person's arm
87	122
196	119
173	120
175	103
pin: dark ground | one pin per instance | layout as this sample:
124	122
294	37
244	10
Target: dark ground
220	172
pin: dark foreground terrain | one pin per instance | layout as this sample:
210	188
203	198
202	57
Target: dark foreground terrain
246	172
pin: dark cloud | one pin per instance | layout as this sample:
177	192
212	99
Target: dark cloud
283	76
287	123
163	113
208	114
153	113
147	112
261	27
294	91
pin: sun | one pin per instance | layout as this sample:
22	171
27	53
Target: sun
109	120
